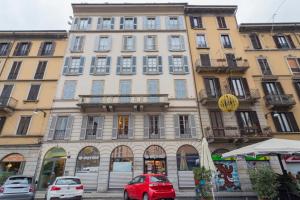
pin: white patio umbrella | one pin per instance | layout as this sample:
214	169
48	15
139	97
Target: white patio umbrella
269	147
206	160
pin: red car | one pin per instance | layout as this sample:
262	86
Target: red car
149	187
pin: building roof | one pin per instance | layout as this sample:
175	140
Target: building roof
267	27
33	34
211	9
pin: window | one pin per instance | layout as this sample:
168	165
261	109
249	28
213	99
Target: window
69	90
33	92
82	23
2	122
5	94
154	126
150	43
297	86
248	122
104	43
73	65
239	87
60	127
77	44
285	122
187	158
184	125
123	123
272	88
176	43
14	71
283	41
174	22
22	49
294	64
151	23
4	48
97	89
221	22
264	66
100	65
126	65
205	60
87	163
23	125
121	159
128	23
153	88
178	65
216	122
255	41
46	49
201	42
196	22
125	89
105	23
180	89
152	64
92	127
128	43
40	71
213	88
231	61
226	41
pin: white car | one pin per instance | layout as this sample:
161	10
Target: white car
65	187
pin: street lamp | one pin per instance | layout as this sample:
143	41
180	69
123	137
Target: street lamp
36	111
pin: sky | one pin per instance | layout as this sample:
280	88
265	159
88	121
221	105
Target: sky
54	14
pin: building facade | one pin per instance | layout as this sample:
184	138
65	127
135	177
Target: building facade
125	102
30	62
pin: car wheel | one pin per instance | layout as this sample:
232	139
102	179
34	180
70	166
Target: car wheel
145	197
126	196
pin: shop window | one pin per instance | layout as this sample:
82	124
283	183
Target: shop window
187	158
121	159
155	160
11	165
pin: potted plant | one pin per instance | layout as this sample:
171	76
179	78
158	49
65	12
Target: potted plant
202	178
264	182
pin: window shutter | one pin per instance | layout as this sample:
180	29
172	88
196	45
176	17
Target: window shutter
99	132
192	21
83	127
134	42
97	41
193	126
145	43
82	59
207	87
182	45
200	24
108	63
275	38
17	49
89	23
239	121
180	22
112	23
145	64
293	121
160	70
255	41
66	65
157	22
170	43
131	126
246	87
41	48
297	87
69	127
171	64
52	127
109	43
115	127
135	23
255	121
72	39
279	87
176	126
290	40
146	126
99	23
205	60
264	86
218	86
133	60
231	85
162	125
185	64
92	69
276	123
167	22
28	48
119	62
122	23
75	25
53	48
145	22
82	38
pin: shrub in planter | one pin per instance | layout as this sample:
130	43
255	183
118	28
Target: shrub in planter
264	182
202	178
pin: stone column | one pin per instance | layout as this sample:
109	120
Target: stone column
244	175
172	170
138	167
103	176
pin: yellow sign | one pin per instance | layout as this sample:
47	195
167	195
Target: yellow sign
228	103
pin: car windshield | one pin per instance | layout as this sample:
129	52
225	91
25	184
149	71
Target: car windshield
159	179
68	181
19	180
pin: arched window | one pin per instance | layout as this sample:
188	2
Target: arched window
53	166
88	160
155	160
11	165
187	158
121	159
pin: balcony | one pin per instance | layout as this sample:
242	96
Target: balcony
236	134
279	101
221	66
126	103
206	98
8	104
59	135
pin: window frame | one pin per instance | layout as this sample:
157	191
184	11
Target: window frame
181	97
205	46
223	41
221	21
28	127
63	90
36	95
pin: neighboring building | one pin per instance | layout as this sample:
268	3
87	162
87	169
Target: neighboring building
273	51
30	62
221	66
125	103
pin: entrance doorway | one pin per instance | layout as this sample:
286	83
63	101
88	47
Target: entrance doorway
53	166
155	160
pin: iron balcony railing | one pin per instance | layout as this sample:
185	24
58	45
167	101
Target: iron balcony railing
279	100
251	95
90	134
222	66
8	103
59	135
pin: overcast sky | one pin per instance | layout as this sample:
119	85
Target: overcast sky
54	14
